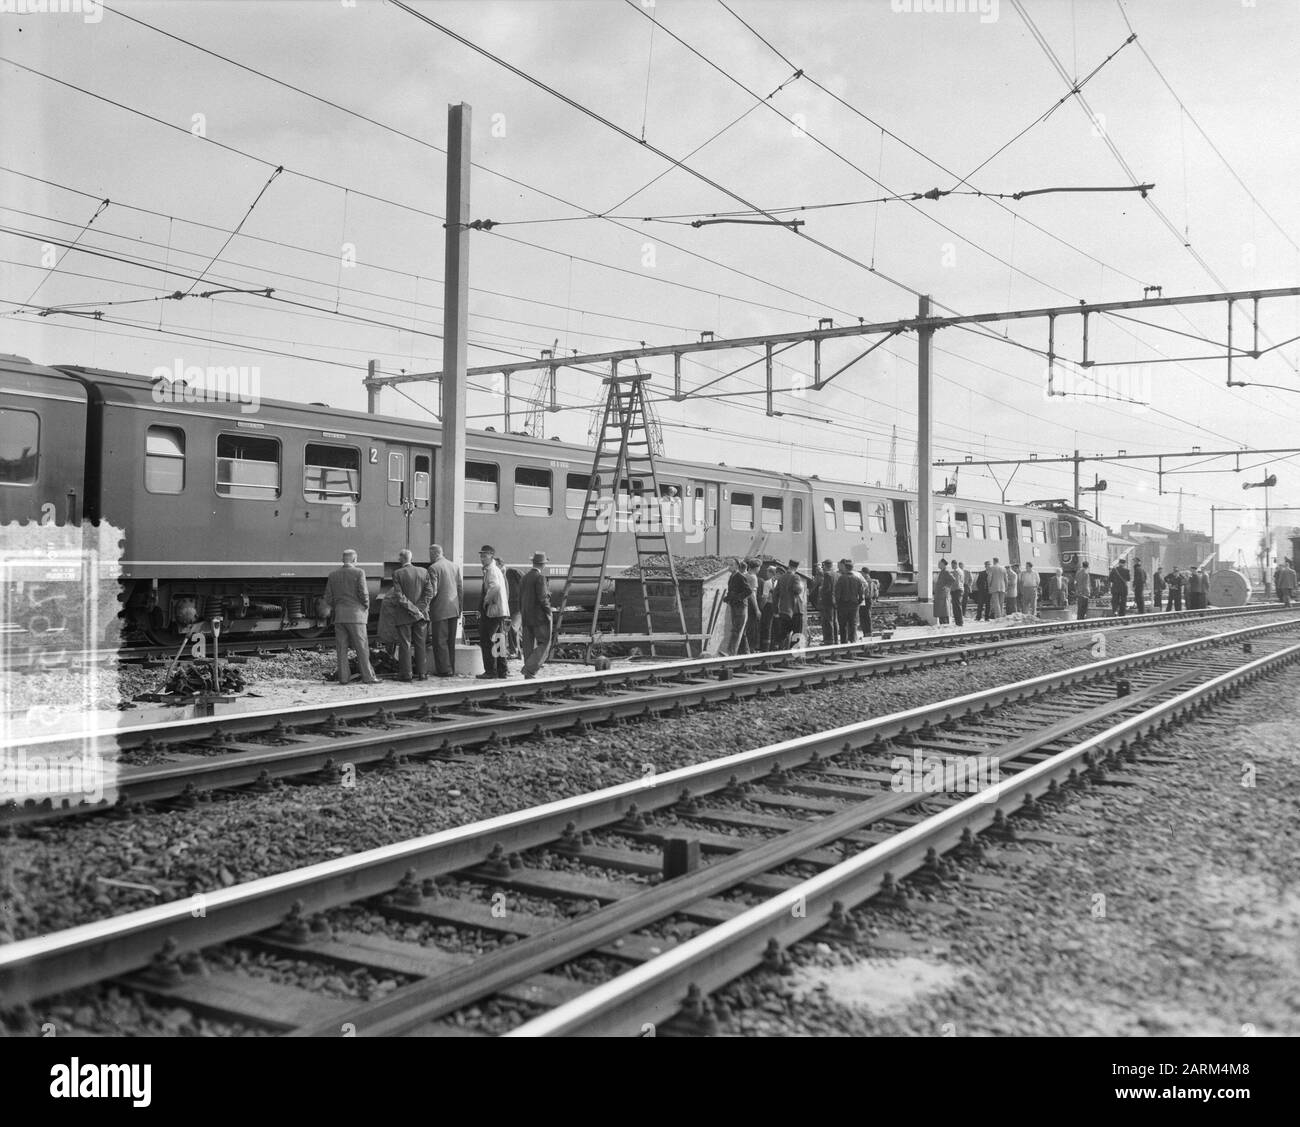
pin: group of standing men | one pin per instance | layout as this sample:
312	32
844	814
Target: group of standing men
425	605
494	617
998	590
844	601
1193	583
765	611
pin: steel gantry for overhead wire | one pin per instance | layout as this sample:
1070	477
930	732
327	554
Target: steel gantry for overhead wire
924	325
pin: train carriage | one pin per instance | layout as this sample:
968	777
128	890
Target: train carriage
243	513
242	509
42	444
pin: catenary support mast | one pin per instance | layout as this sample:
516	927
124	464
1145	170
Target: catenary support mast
449	515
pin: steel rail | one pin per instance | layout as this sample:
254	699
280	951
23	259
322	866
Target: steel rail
495	715
430	734
655	991
34	968
426	731
510	692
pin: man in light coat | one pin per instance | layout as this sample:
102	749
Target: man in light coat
535	612
997	589
870	593
1082	589
411	594
493	617
1013	596
1027	584
348	599
444	610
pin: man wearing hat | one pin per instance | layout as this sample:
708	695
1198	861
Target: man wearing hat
848	598
826	603
535	609
946	595
791	605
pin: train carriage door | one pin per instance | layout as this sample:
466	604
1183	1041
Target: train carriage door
702	519
408	508
903	535
420	530
1013	538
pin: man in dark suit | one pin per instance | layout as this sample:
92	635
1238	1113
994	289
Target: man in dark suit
411	595
348	600
1140	587
535	610
444	610
1119	577
982	594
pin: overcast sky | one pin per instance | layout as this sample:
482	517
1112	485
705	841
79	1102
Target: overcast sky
949	88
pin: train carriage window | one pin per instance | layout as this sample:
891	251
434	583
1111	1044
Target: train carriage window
878	517
796	514
1027	531
1040	532
331	475
20	443
670	507
532	492
482	487
742	512
773	514
701	518
852	516
961	524
575	494
942	525
421	479
164	460
995	528
828	514
248	467
977	526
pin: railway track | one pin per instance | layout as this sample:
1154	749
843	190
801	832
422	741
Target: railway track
95	770
666	887
20	657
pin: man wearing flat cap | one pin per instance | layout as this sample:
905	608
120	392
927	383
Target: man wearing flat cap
791	596
535	610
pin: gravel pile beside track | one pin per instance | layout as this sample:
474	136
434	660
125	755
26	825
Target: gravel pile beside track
52	876
1201	928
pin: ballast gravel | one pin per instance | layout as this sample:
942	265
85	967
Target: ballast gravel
65	873
1173	911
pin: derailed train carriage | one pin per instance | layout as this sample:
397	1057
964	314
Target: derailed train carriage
239	513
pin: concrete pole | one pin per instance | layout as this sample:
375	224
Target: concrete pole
372	389
1076	479
449	516
924	491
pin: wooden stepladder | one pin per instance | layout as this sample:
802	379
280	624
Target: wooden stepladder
624	453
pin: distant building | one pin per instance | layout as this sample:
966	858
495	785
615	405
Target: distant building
1158	546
